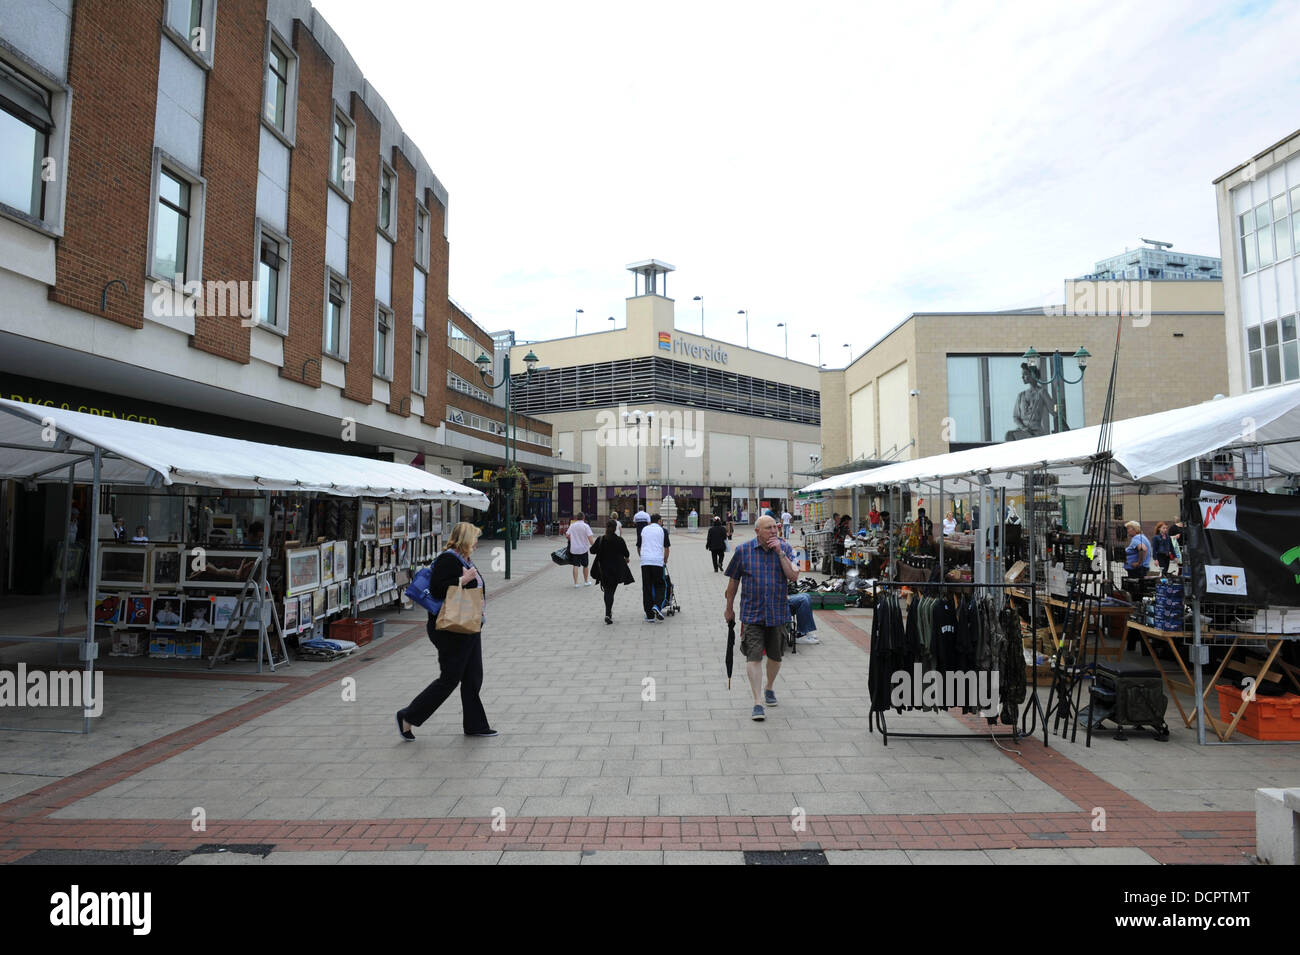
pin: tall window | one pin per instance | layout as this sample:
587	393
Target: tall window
1273	352
419	361
339	151
386	178
421	237
462	343
25	126
985	392
270	278
277	87
383	342
172	229
336	310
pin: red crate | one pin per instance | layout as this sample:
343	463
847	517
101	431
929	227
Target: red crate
360	630
1267	717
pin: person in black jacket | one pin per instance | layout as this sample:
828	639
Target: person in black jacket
612	558
717	543
460	655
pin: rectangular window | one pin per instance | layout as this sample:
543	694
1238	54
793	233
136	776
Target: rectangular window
417	301
383	342
462	344
25	125
336	318
1290	356
172	227
339	165
419	364
277	88
421	237
386	181
1255	349
271	264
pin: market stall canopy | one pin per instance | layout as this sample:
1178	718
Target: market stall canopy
40	443
1146	448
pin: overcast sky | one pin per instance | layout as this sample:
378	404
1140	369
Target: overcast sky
836	166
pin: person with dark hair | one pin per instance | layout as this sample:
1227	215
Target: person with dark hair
716	543
612	559
255	532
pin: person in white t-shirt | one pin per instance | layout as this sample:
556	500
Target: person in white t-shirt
786	518
949	524
580	540
641	518
654	561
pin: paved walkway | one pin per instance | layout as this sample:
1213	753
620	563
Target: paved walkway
619	743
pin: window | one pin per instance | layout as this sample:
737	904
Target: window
986	393
341	160
421	237
1246	231
419	361
273	280
457	383
1263	232
172	228
383	342
25	125
278	105
417	301
1273	352
387	188
338	292
462	344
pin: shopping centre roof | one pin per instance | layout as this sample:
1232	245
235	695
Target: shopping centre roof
40	443
1148	448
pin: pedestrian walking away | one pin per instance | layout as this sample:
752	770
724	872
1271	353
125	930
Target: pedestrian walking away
460	655
716	543
786	518
611	565
580	540
641	520
760	570
654	561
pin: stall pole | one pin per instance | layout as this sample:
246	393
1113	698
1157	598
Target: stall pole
941	531
67	557
263	641
1197	655
90	649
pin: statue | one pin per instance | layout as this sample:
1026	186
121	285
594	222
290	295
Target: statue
1033	413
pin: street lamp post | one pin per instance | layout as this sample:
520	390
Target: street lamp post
668	446
745	312
850	358
1058	381
507	482
819	348
576	313
700	299
615	325
636	417
787	337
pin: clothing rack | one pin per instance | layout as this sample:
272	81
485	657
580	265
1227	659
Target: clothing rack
877	720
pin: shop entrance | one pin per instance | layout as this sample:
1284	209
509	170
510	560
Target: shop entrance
720	502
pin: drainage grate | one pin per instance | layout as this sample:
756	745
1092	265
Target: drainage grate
793	857
262	849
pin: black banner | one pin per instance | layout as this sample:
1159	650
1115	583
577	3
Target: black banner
1245	545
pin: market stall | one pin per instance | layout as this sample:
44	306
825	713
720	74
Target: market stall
250	546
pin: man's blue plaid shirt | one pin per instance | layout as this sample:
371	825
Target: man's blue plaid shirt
763	594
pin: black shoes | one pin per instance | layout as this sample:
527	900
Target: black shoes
487	732
608	618
406	735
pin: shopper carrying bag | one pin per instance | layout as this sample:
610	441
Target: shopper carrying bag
456	630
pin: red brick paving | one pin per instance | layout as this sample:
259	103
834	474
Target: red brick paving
25	825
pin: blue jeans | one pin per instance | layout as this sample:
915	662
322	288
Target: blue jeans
801	607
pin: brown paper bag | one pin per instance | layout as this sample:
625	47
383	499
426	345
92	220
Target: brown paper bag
462	611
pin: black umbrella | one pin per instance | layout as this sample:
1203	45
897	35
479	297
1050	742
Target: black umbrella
731	648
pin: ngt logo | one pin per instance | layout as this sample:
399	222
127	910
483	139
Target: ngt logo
1220	579
1218	511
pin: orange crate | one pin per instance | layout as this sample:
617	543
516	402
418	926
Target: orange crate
1267	717
360	630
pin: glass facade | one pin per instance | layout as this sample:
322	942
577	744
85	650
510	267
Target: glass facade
989	399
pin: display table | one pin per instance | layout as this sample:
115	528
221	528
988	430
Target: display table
1114	616
1252	668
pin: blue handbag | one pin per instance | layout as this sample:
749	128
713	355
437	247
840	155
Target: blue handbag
418	591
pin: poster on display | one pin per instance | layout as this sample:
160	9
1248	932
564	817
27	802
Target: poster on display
1245	545
291	615
166	613
435	519
327	562
165	568
426	518
139	608
123	566
318	603
304	569
198	613
304	612
399	521
368	525
223	609
413	520
225	569
385	518
108	609
340	560
332	598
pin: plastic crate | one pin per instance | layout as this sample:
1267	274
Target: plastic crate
1266	717
359	630
376	626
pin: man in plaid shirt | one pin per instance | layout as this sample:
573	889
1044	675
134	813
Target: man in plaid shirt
765	564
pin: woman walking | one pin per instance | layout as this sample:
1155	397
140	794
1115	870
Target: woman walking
717	543
460	655
612	558
1162	548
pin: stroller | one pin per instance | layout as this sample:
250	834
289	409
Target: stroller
670	605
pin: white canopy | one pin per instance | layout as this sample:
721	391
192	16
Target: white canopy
1146	448
41	443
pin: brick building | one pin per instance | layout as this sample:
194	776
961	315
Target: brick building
210	220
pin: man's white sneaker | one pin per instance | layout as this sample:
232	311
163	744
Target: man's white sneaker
589	583
806	640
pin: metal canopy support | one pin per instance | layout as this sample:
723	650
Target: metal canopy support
67	555
91	649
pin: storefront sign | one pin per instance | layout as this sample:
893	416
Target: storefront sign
712	352
123	413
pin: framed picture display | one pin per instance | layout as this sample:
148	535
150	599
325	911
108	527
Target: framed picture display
345	594
403	548
223	608
386	582
166	613
304	569
332	598
399	520
385	517
365	588
199	612
139	609
435	522
368	522
251	605
318	603
426	518
108	609
304	612
291	615
340	560
217	569
124	566
165	567
413	520
326	562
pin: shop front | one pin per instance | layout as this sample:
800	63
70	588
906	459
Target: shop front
688	497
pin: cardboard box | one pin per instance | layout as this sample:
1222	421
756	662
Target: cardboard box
1019	573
